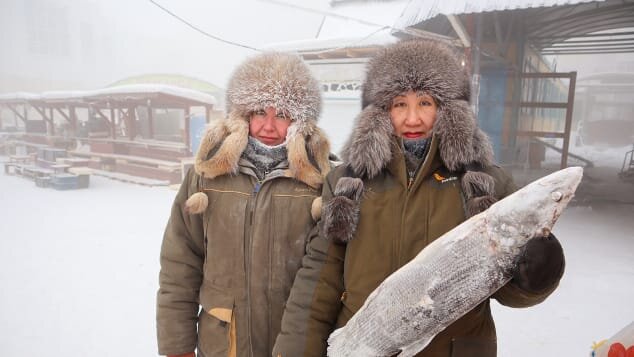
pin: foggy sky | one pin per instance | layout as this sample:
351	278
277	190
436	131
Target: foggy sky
84	44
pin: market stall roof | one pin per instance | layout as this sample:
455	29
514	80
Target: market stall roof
157	94
552	27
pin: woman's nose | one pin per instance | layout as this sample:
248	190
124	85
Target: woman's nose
413	117
269	123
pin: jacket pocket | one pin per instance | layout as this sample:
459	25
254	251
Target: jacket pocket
217	323
292	222
473	346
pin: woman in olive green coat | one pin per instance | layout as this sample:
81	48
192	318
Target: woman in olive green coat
236	234
416	165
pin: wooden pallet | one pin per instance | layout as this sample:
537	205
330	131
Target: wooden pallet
130	178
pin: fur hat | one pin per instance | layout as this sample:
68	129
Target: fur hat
271	79
422	66
419	65
278	80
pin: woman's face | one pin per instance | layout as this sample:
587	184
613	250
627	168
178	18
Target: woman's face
413	115
269	126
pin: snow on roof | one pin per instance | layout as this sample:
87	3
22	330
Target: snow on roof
123	90
349	26
18	96
132	89
321	44
418	11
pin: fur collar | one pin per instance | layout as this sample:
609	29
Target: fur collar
225	140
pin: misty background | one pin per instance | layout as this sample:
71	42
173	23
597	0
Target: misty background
83	44
79	269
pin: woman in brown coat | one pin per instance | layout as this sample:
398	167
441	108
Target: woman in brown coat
416	165
236	234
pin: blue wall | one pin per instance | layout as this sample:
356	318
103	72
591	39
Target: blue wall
491	105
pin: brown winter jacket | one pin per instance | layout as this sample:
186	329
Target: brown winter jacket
233	244
395	224
396	217
237	260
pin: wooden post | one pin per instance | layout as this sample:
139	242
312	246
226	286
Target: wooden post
52	116
73	119
49	128
207	114
132	120
113	127
150	118
569	108
17	114
517	96
188	144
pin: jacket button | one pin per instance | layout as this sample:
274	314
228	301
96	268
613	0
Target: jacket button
344	296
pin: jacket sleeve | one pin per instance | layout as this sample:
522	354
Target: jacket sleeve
314	302
182	257
510	294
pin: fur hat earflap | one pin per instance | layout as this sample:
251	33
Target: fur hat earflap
341	213
368	150
301	148
196	203
221	147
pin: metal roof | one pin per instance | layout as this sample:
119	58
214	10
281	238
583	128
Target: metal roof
551	27
418	11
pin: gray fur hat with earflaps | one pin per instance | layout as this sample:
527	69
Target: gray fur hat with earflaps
433	68
270	79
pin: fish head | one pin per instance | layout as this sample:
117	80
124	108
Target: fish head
532	210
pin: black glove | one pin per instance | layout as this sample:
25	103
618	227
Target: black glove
540	265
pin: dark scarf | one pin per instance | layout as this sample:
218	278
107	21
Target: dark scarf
414	152
265	158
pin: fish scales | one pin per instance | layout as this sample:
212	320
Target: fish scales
453	274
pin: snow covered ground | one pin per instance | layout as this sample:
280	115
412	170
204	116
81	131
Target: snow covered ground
79	273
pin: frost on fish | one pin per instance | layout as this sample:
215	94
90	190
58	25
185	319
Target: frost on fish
453	274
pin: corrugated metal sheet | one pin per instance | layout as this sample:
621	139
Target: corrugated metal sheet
421	10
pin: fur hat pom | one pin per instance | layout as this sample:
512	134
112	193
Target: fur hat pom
197	203
315	209
341	213
475	183
479	190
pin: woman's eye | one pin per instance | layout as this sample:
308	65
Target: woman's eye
281	116
425	103
259	112
399	104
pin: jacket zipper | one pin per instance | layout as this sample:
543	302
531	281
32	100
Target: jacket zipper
248	253
411	178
